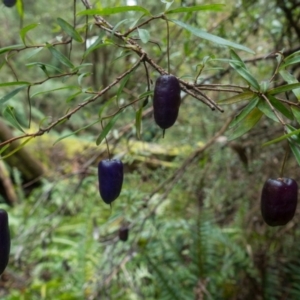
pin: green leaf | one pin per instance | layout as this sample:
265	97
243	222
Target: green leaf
82	66
98	44
144	35
240	67
70	30
281	138
83	75
244	113
138	122
69	87
210	37
70	98
9	48
296	113
16	149
284	88
11	94
235	59
289	78
122	85
282	108
209	7
237	98
118	25
290	61
9	115
296	151
294	137
113	10
20	9
44	67
264	107
59	56
76	131
105	105
246	124
25	29
33	52
3	148
168	3
14	83
107	128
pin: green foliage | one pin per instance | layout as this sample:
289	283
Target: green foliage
195	230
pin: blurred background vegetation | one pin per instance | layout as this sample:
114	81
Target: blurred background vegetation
193	213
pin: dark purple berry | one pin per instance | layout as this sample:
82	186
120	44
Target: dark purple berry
279	201
166	101
110	176
4	240
123	233
9	3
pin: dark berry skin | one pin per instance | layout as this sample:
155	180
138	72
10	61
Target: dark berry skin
4	240
279	201
123	234
110	176
166	100
9	3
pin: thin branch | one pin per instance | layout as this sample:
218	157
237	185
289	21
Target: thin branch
67	116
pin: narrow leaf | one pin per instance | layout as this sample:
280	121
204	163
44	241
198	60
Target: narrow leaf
8	114
247	124
210	37
14	83
107	128
122	85
25	29
59	56
11	94
246	75
69	87
9	48
296	113
237	98
17	148
70	98
284	88
105	105
138	122
210	7
244	113
296	151
289	78
3	148
168	3
281	138
144	35
75	132
236	59
295	137
114	10
70	30
290	61
282	108
44	67
265	108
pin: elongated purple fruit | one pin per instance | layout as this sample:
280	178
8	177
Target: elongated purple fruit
166	100
4	240
279	201
9	3
110	176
